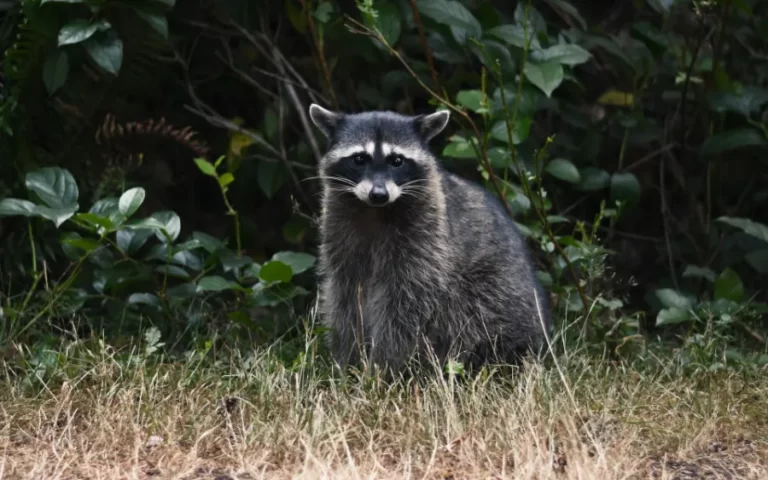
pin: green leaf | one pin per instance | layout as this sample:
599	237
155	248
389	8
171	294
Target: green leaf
173	271
206	167
470	99
215	283
520	131
673	299
210	243
131	241
625	187
95	220
564	170
271	176
745	102
56	215
571	11
532	18
699	272
546	76
732	140
514	35
131	200
226	179
79	31
15	206
729	286
230	261
388	21
672	316
451	13
55	71
55	186
298	261
85	244
750	227
170	225
758	260
156	20
149	299
106	50
459	148
564	54
275	271
593	179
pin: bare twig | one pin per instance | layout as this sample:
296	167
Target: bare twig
284	155
299	107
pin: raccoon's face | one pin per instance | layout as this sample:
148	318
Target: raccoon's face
379	157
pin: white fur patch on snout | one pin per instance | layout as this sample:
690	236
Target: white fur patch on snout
394	191
363	189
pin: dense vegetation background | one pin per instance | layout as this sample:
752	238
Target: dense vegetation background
157	162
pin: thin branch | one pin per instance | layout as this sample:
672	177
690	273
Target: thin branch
320	54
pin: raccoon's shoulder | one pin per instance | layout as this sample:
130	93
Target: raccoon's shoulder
464	196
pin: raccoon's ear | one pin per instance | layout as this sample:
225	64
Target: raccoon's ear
431	125
323	119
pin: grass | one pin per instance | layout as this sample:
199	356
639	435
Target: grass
97	413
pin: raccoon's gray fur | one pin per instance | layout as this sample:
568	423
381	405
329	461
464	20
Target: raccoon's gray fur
414	259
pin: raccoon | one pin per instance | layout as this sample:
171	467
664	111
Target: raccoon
416	261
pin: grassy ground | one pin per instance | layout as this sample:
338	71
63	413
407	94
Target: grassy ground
98	414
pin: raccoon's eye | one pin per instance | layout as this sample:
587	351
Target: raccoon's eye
359	159
397	161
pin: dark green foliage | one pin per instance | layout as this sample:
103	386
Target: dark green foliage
628	139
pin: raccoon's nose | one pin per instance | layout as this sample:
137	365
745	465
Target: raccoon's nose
378	195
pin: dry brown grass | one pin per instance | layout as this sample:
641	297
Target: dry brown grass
97	417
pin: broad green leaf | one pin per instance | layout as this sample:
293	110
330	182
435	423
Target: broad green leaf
571	11
617	98
85	244
564	54
593	179
520	131
745	102
275	271
672	316
215	283
95	220
273	295
459	148
230	261
55	186
171	225
729	286
451	13
271	176
149	299
57	215
79	31
323	12
530	16
699	272
131	200
470	99
173	271
515	35
732	140
564	170
387	21
625	187
758	260
15	206
156	20
500	157
182	291
546	76
673	299
298	261
106	50
226	179
131	241
210	243
750	227
55	71
206	167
